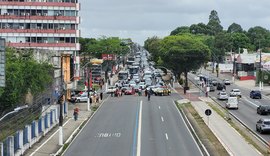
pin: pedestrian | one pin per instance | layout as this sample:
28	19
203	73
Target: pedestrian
76	113
101	96
145	92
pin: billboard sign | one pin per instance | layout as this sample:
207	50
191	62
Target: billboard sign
2	63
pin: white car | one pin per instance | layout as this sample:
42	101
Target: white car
235	92
111	89
226	82
82	98
222	96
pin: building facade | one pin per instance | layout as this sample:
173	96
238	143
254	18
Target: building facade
42	24
47	25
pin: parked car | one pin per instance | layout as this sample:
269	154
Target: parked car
263	109
222	96
227	82
235	92
82	98
263	125
221	86
255	94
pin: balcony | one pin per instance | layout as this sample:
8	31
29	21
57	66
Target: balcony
35	45
51	4
43	31
69	18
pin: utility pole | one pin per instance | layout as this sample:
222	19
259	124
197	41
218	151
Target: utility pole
260	69
60	101
88	89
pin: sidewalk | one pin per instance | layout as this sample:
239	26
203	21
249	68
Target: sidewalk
232	141
49	145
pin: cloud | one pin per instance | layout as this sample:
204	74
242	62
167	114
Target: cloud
141	19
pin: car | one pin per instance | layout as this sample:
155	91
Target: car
111	89
214	82
232	103
211	88
235	92
263	109
255	94
161	91
221	86
263	125
128	91
81	98
222	96
227	82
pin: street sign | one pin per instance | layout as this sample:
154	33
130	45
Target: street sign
108	56
208	112
2	63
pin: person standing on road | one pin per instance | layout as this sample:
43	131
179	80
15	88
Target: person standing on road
76	113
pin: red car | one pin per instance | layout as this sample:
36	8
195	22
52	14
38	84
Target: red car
129	91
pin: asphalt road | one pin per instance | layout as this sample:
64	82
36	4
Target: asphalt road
247	111
133	126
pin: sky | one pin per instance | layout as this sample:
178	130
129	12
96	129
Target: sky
141	19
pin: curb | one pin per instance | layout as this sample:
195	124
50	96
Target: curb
78	130
196	137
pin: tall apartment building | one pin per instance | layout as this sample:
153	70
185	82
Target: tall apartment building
42	24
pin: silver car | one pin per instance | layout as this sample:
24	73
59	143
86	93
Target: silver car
263	125
222	96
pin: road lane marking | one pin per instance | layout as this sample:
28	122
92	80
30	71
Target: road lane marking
166	136
250	102
136	151
139	132
162	119
158	107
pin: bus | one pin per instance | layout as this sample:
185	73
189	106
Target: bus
123	75
134	69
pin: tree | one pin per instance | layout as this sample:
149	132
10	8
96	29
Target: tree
239	40
180	30
235	28
152	46
184	53
201	28
109	45
23	75
214	22
259	37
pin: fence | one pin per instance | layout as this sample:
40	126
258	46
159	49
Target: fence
21	140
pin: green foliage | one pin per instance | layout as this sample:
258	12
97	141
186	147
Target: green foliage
184	52
259	37
23	74
235	28
152	46
108	45
214	22
180	30
201	28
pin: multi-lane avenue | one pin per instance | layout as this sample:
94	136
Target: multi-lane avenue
247	107
133	126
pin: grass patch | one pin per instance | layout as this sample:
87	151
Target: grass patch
94	108
209	140
241	130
